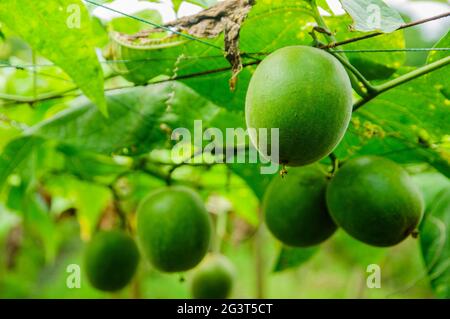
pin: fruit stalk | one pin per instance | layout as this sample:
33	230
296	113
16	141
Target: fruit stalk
354	78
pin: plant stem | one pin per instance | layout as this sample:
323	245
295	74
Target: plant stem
401	80
331	39
259	258
33	58
220	230
334	164
375	34
370	88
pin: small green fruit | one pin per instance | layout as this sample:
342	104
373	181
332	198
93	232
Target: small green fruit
307	94
213	279
374	200
173	228
295	207
111	259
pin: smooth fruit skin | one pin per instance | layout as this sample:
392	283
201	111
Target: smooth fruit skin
375	200
213	279
295	209
173	228
111	259
307	94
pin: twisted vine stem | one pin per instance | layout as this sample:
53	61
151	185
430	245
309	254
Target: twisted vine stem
377	90
371	90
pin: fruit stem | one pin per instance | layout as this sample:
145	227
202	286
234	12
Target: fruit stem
331	39
334	163
119	211
369	87
259	258
321	22
401	80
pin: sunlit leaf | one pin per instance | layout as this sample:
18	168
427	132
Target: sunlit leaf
372	15
62	32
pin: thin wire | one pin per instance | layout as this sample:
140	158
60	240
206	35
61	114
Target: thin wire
5	64
187	36
393	50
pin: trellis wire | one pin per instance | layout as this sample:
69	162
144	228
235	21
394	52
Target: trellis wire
156	25
6	64
23	67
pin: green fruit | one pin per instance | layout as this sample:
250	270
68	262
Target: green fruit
213	279
374	200
295	207
111	259
306	93
173	228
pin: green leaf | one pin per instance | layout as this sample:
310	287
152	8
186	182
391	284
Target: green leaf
290	257
442	75
435	244
431	184
203	3
134	125
61	31
131	26
87	198
176	4
408	123
355	252
15	152
89	166
324	5
372	15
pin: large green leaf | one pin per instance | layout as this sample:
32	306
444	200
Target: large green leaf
435	244
16	152
139	120
441	76
128	25
88	199
372	15
431	184
52	29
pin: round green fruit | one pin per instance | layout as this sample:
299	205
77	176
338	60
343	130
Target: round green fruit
304	92
295	207
111	259
173	228
374	200
213	279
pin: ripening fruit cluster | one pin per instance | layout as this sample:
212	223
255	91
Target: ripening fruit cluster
174	231
306	94
371	198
